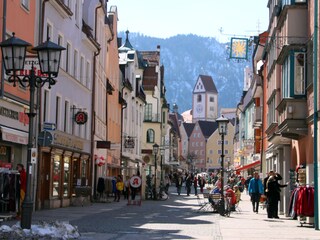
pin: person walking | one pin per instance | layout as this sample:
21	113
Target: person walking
189	181
201	182
255	189
273	189
179	182
119	187
195	185
23	186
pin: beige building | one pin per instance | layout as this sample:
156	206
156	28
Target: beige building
214	149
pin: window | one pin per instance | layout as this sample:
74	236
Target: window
299	73
25	4
76	13
199	98
294	75
56	176
60	43
164	117
226	142
75	64
67	57
82	69
49	30
271	111
66	176
45	105
66	116
211	151
219	152
150	136
87	79
148	112
58	102
211	99
212	109
226	151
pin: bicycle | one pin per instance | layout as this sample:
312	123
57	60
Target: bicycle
224	206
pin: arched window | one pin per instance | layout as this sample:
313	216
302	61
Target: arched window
150	136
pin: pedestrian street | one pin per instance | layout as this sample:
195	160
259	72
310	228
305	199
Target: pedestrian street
175	218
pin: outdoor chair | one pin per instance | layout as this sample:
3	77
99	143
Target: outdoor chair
204	204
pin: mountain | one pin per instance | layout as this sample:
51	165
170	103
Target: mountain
185	57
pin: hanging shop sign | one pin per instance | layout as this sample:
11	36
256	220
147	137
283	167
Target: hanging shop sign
129	143
81	117
239	48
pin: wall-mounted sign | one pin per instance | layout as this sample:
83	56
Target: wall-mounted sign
81	117
129	143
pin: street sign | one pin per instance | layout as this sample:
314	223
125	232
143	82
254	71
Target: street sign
49	126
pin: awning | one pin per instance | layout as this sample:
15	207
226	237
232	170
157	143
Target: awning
250	165
12	135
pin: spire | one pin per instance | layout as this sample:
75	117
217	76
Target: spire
127	43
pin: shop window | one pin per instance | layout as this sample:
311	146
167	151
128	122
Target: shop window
84	169
66	176
56	176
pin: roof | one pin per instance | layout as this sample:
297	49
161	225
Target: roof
208	83
207	127
189	128
127	45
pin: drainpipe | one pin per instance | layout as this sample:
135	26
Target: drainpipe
93	113
315	116
4	30
121	127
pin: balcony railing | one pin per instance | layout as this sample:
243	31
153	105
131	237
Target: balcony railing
152	117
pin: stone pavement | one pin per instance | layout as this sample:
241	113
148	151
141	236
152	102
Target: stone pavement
175	218
245	224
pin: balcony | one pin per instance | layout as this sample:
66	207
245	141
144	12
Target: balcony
292	118
152	118
257	117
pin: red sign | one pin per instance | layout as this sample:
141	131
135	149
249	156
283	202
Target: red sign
135	181
81	117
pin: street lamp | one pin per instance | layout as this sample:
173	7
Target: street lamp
155	152
222	128
13	55
161	165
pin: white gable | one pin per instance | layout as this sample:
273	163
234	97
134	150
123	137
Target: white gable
198	87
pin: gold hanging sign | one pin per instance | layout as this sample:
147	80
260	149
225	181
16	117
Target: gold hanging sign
239	48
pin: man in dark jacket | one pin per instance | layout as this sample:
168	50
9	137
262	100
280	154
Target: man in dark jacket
273	193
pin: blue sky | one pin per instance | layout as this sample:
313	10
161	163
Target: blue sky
166	18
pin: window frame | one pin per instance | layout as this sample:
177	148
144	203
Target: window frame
150	136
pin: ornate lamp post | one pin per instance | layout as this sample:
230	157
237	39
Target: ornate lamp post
155	152
13	56
222	128
161	165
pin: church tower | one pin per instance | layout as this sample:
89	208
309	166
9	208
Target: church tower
204	99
